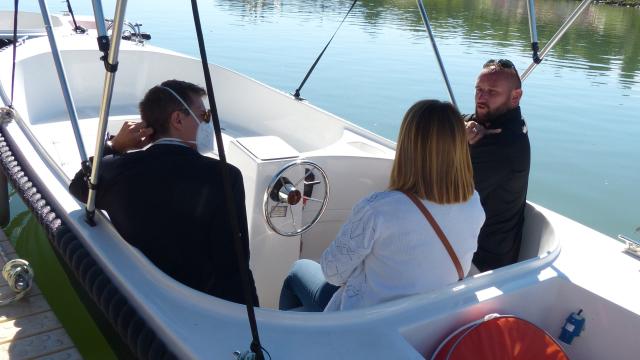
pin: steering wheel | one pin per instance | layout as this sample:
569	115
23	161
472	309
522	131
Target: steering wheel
296	197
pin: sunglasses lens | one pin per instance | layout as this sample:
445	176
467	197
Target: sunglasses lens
506	63
502	63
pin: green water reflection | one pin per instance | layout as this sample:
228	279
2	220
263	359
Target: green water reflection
604	36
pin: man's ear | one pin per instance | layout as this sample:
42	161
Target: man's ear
175	120
516	95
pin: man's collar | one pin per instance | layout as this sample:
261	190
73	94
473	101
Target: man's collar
171	146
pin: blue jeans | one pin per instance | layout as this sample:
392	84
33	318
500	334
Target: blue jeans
305	287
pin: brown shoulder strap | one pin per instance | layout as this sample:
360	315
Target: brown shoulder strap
439	232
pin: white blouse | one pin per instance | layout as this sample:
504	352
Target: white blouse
387	249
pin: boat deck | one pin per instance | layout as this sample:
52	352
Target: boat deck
28	327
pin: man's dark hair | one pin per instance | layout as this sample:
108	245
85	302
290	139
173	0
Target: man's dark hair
158	104
503	65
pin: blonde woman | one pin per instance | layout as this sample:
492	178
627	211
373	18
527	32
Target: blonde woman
388	249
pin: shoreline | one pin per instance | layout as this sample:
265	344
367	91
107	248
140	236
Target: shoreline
620	3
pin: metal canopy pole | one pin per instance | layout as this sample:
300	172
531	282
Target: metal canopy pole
98	14
427	25
563	29
111	66
533	31
62	76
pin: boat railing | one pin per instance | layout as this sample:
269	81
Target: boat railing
633	246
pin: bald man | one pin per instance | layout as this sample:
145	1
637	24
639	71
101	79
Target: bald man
501	156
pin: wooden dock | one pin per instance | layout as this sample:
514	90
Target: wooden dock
28	327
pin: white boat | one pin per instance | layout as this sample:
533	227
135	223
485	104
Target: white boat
30	25
564	266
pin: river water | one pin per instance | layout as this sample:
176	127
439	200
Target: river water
582	104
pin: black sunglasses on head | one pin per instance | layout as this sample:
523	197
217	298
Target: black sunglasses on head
501	63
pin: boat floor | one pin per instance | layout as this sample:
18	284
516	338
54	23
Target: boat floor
58	139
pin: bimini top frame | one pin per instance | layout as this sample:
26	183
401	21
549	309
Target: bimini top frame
427	25
111	66
537	58
62	76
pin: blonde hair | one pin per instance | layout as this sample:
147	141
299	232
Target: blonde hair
432	156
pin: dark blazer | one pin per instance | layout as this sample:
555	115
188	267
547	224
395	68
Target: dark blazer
501	174
168	202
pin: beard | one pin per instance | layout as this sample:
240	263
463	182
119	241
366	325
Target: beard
487	113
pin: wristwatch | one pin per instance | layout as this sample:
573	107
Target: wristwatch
108	146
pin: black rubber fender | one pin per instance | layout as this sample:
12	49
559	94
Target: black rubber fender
72	249
114	305
98	287
133	331
92	277
124	319
143	345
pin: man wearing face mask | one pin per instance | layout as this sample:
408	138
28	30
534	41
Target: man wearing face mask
167	200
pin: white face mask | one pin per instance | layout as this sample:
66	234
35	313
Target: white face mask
204	134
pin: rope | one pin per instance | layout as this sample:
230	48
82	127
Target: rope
296	94
226	183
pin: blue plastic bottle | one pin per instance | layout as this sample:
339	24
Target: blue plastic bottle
572	327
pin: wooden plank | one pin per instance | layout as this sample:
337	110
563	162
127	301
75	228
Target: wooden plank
36	346
23	307
5	291
28	326
8	250
71	354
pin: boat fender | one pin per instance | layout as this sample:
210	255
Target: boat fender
573	326
141	339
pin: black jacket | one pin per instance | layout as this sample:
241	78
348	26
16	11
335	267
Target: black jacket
168	202
501	174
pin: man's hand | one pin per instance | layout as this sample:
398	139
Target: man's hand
132	136
475	131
